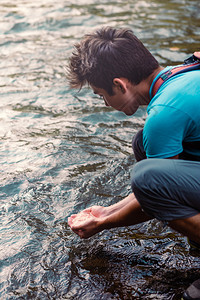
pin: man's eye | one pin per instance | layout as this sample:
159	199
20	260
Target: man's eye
98	95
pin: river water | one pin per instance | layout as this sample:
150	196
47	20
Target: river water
62	151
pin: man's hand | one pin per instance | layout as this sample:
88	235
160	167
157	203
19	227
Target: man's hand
88	222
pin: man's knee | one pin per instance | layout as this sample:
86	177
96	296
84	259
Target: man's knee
137	145
148	185
154	173
142	174
161	193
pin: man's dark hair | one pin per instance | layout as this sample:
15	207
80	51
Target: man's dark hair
106	54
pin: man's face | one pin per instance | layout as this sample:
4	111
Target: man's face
126	100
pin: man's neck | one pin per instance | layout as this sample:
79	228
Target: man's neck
148	82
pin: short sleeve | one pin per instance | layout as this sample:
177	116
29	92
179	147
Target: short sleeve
164	131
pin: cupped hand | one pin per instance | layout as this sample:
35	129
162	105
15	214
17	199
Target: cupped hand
88	222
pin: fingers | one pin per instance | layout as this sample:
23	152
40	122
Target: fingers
70	220
76	229
87	210
83	223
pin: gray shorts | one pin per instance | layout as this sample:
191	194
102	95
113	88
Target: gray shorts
167	189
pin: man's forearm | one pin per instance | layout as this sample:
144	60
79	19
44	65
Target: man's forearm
119	205
125	213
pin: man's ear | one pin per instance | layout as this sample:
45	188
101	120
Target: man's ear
120	84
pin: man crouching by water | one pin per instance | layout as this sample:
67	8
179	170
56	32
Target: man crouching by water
166	179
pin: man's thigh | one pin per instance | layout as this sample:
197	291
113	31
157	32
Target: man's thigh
167	189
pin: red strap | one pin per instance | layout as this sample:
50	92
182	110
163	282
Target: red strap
172	72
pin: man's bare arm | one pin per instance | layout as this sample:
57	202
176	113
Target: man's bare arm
97	218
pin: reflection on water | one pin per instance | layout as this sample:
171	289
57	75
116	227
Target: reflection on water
62	151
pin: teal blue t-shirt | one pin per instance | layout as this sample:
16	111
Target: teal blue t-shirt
173	116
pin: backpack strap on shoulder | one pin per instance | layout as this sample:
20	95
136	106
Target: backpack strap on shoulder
190	64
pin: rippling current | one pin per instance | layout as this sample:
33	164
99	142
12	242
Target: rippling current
62	151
